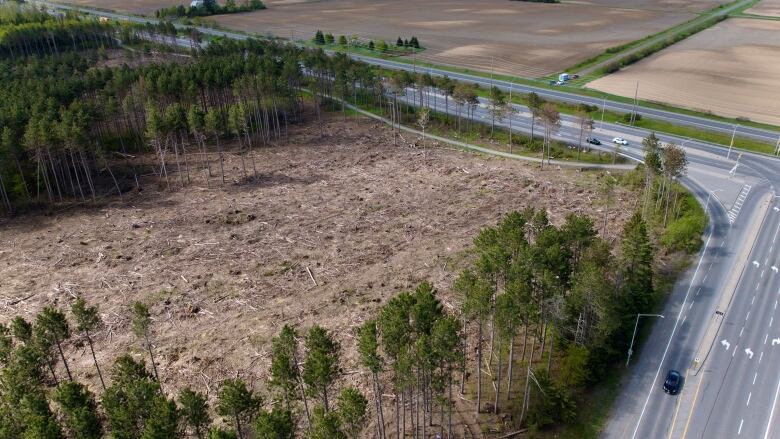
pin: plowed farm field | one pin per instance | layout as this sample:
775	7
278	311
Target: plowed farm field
529	39
730	69
769	8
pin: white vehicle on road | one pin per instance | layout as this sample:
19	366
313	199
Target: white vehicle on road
620	141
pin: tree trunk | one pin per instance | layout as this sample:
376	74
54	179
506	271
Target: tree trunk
94	358
479	365
509	366
151	357
64	361
498	382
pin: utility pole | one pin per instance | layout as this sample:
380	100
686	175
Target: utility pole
633	110
731	145
603	107
631	348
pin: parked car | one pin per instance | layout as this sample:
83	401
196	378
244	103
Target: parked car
620	141
673	382
593	141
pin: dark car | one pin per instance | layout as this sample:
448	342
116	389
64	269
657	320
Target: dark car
673	382
593	141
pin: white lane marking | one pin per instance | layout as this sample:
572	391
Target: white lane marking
772	413
762	274
748	400
775	304
754	378
749	353
774	269
756	264
741	331
669	343
758	285
760	357
735	351
691	305
739	432
747	317
753	300
775	341
766	338
698	291
772	319
727	345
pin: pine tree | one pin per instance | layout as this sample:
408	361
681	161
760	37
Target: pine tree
325	425
163	421
399	42
319	38
322	364
371	45
637	263
285	373
141	325
342	40
79	409
368	346
194	410
130	400
87	319
275	424
477	297
352	411
52	329
238	403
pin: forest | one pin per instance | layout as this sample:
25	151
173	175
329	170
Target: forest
71	131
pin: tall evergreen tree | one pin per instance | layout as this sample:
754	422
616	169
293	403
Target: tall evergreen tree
87	319
238	403
321	367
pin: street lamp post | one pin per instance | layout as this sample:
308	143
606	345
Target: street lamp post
731	145
631	348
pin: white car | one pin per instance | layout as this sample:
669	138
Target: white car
620	141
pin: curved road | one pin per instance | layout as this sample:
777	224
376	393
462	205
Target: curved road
735	393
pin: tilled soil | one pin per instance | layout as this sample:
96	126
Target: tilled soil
329	230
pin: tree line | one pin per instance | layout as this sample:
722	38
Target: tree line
36	402
206	8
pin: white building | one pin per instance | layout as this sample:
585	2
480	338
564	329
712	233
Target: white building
196	3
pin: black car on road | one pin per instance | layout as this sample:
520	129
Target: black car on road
673	382
593	141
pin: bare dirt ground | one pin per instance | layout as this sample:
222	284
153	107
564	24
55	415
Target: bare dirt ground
730	69
224	267
769	8
529	39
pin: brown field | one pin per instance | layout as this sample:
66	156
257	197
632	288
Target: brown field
769	8
223	268
730	69
140	7
530	39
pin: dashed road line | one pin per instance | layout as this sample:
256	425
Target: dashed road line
748	400
741	421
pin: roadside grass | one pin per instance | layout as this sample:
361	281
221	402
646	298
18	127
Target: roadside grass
479	134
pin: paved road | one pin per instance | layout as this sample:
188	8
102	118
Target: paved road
765	135
738	394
